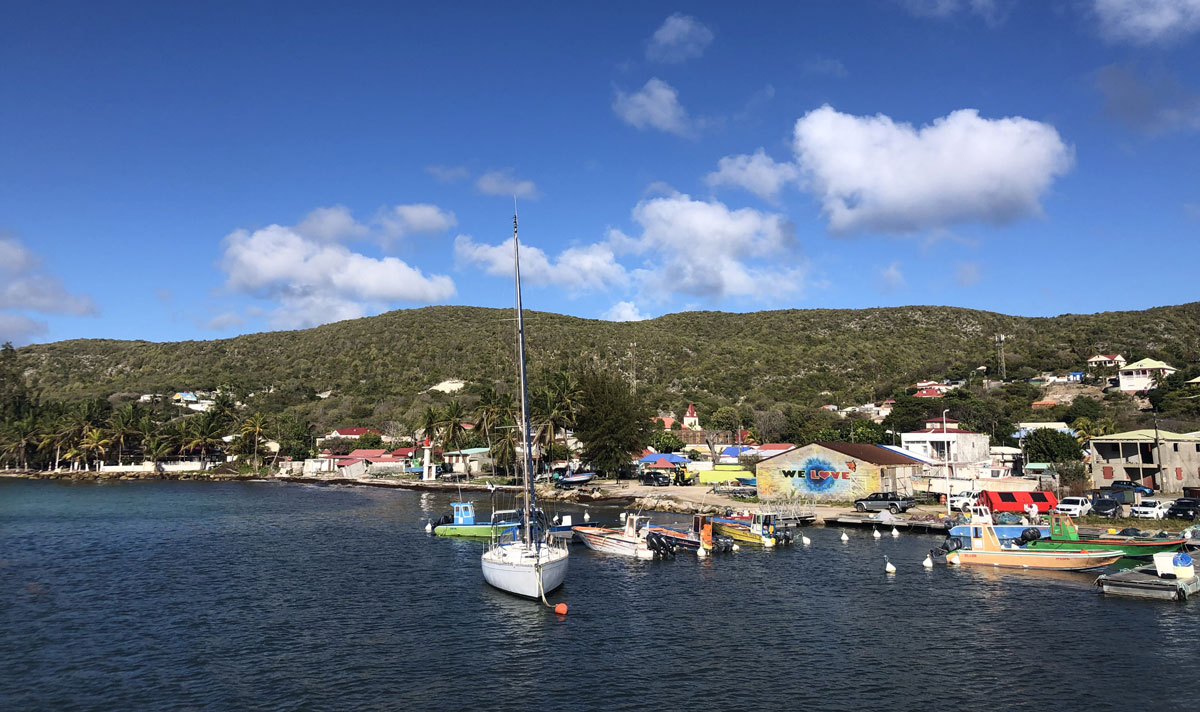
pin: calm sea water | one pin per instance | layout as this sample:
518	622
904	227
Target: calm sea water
176	595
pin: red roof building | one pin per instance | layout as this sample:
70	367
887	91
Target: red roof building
352	432
928	393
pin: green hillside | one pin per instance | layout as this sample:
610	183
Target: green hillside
379	365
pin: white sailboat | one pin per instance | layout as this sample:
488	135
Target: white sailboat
530	564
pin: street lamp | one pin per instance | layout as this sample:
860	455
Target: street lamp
947	443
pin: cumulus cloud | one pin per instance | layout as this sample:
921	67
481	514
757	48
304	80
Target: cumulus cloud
891	278
24	284
316	282
624	311
680	38
590	267
1147	21
1154	105
703	248
967	274
417	219
503	183
759	174
328	224
19	329
655	106
872	173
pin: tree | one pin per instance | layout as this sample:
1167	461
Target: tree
1046	445
666	441
770	425
726	418
252	431
1083	407
451	425
156	448
613	423
369	441
95	444
204	432
124	426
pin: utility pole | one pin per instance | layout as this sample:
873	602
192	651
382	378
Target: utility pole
1000	355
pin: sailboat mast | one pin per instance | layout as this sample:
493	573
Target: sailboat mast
526	461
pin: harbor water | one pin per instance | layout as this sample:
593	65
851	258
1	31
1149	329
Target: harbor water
272	596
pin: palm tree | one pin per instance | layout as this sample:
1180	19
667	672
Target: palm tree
156	447
203	433
429	421
124	425
22	434
94	443
1085	429
225	407
253	429
451	424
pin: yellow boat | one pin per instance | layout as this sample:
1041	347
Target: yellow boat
758	529
983	548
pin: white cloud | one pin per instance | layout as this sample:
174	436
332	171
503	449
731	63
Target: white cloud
447	174
19	329
417	219
1147	21
680	38
590	267
759	174
967	274
624	311
892	279
329	224
24	284
656	105
503	183
703	248
317	282
871	173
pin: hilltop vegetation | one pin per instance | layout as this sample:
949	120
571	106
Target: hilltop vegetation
378	367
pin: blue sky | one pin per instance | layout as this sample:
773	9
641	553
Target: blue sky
172	171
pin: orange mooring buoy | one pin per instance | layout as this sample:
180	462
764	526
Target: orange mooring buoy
560	609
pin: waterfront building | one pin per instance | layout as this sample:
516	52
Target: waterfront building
1162	460
825	471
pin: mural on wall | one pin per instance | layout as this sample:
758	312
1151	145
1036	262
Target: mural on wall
817	476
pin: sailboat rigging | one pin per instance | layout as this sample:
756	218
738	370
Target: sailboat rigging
530	564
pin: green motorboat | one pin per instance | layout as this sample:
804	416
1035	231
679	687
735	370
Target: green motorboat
1064	536
463	522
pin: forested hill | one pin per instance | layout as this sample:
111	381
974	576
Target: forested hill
798	356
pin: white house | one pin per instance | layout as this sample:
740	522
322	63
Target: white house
945	440
1106	361
1140	375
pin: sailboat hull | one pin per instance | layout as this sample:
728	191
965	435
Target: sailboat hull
516	568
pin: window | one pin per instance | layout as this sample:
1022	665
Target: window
1037	496
1008	497
1108	475
1176	447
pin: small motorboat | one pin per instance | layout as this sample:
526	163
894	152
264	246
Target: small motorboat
462	522
699	537
760	529
579	478
636	539
983	548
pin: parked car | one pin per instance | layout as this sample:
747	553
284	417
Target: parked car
880	501
962	500
654	478
1150	509
1074	506
1127	484
1106	507
1184	508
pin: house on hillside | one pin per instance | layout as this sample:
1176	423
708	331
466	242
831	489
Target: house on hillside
691	421
1106	361
928	393
826	471
667	421
352	434
1143	375
1165	461
472	460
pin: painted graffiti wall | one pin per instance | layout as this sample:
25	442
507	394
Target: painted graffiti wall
816	473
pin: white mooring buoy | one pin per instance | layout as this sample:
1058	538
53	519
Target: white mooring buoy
701	552
928	562
736	547
805	540
895	532
844	537
588	518
889	567
428	527
875	533
952	559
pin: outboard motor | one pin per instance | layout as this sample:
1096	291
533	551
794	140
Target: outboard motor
1028	535
952	543
722	543
784	536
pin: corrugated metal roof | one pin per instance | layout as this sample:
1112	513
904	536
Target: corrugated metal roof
874	454
1147	435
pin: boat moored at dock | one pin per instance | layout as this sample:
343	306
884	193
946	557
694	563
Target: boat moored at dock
983	548
760	529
